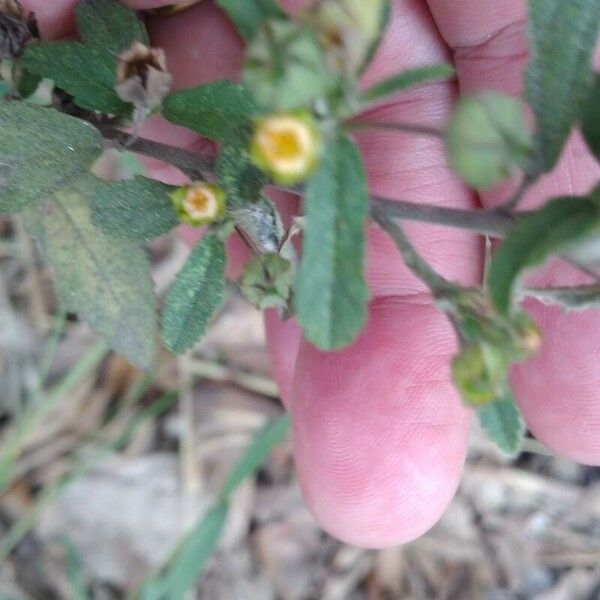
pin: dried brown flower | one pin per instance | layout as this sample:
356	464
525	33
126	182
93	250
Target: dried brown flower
142	77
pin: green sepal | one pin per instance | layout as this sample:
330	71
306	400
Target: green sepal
267	281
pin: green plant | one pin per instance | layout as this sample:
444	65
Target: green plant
290	123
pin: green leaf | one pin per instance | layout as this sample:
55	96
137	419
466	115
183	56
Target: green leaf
407	79
88	73
241	180
109	25
254	457
591	119
216	110
331	293
487	138
75	570
502	421
551	230
384	20
105	280
195	295
249	15
41	151
562	36
138	208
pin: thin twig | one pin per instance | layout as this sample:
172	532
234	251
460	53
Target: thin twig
195	165
190	471
492	222
512	203
570	298
435	282
394	126
589	271
32	277
249	381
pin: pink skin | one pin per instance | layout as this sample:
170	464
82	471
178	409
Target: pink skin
379	432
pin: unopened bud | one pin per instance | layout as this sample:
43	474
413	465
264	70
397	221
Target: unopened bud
199	203
286	147
348	29
478	372
267	281
285	67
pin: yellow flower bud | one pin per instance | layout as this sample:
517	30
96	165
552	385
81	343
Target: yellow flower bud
286	147
199	203
527	338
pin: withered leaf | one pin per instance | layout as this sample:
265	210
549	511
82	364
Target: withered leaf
17	29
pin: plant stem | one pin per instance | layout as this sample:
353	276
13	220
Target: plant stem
491	222
219	372
435	282
512	203
390	126
195	165
570	298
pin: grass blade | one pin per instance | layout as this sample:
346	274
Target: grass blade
38	411
187	562
255	455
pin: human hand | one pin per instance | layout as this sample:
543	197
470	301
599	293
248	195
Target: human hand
379	431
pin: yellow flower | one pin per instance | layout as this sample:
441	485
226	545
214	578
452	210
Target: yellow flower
199	203
286	147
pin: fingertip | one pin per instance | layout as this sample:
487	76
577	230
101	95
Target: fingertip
201	45
379	432
283	342
558	389
55	19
